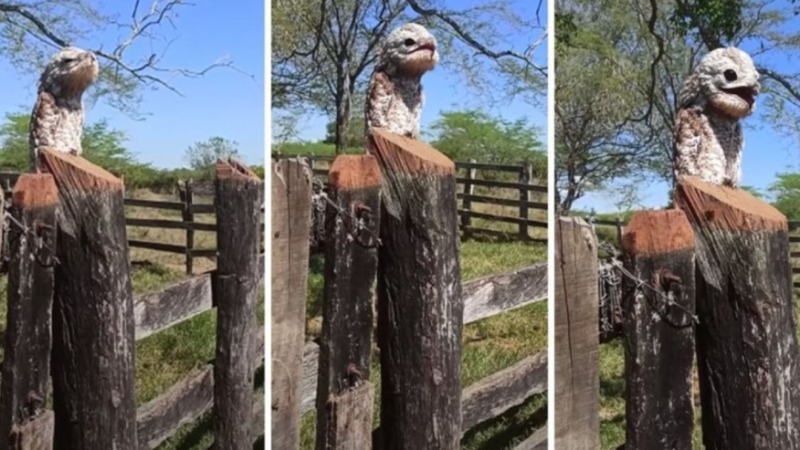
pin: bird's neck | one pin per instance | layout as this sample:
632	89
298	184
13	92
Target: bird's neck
66	98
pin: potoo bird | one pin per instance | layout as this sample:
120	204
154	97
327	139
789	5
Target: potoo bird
708	133
57	117
394	99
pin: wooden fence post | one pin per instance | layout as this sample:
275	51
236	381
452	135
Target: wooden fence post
28	340
291	226
525	175
747	351
187	198
466	202
420	307
619	231
93	321
237	201
344	406
577	382
659	337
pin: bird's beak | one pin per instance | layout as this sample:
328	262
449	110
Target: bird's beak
426	46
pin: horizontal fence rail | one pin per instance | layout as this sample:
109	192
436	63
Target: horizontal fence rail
483	297
187	206
522	201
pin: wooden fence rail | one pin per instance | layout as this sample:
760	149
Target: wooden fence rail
523	200
152	423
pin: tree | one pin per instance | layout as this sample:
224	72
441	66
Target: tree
786	191
465	135
31	30
322	49
620	65
202	156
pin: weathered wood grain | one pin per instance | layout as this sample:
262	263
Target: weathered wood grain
182	403
93	321
291	225
161	247
501	391
490	295
525	175
308	383
536	441
157	311
747	351
257	421
420	307
238	198
480	291
35	434
186	196
28	338
349	425
659	337
577	380
351	264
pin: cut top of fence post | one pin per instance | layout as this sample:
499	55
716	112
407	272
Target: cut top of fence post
726	208
35	192
76	173
354	172
234	169
406	155
656	234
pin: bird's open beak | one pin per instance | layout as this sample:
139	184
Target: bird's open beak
426	46
746	93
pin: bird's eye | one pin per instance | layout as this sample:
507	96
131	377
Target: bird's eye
68	60
408	42
730	75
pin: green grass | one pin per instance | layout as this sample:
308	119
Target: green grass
490	345
168	356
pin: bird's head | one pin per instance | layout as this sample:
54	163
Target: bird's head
728	80
410	49
69	72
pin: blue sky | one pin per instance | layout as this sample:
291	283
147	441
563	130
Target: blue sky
222	103
767	151
443	90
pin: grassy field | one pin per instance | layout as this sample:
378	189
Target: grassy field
490	345
165	358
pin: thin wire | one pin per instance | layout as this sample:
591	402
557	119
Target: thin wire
613	262
358	221
9	218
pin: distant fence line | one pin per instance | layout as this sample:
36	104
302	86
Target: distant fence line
469	199
188	207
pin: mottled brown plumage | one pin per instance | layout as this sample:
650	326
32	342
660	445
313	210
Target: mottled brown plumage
708	133
395	99
57	117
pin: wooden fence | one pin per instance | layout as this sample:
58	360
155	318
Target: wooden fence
471	175
78	280
711	279
429	408
186	205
